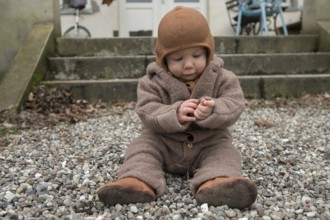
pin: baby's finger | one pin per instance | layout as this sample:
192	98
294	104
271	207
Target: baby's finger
199	114
189	118
210	103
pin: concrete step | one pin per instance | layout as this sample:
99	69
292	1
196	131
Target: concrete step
109	67
223	45
263	86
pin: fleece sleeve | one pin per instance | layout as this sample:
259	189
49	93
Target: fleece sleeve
229	103
153	113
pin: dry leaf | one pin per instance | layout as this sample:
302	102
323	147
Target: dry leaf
290	161
263	123
8	125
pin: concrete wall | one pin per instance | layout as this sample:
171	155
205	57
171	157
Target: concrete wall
313	11
104	20
218	19
17	19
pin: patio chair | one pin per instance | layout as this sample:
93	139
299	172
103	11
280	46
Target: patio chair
260	9
248	23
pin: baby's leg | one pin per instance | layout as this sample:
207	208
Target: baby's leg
220	160
144	161
141	177
219	181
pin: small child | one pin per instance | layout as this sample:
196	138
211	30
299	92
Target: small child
186	102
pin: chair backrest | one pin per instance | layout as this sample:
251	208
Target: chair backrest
230	4
260	9
276	4
232	10
251	7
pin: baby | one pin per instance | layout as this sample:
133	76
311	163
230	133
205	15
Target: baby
186	103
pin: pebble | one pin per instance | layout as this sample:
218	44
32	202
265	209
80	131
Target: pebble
134	209
54	173
9	196
205	208
230	213
310	214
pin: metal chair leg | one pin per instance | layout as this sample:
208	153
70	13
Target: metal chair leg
285	30
263	18
239	21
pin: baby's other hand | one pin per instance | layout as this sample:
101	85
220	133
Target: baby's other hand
204	109
186	111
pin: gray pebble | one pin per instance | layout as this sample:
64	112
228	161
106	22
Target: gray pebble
54	173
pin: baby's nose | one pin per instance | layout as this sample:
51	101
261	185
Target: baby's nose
188	63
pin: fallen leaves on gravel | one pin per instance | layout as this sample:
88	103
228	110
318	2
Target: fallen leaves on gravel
46	107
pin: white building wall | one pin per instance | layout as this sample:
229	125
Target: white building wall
218	18
104	20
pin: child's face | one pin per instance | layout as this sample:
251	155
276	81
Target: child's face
187	64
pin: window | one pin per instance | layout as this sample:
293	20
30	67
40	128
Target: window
66	10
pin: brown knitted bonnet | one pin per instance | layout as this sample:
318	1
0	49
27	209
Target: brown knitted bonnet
182	28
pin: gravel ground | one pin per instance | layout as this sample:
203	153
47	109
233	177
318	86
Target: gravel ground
54	172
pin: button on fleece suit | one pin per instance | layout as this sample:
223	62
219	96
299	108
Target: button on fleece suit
202	148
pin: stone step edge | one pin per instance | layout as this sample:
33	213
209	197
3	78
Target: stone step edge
264	86
223	45
218	55
86	68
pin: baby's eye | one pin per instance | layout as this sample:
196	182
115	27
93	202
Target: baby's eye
197	55
177	58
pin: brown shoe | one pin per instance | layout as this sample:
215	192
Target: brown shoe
125	191
236	192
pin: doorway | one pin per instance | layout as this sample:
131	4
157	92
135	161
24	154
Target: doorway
141	17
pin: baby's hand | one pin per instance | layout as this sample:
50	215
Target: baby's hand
204	109
186	111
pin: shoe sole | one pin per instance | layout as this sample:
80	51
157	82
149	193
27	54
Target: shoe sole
119	195
239	194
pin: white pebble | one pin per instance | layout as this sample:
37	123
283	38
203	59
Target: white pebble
230	213
205	208
9	196
63	164
133	209
38	175
311	214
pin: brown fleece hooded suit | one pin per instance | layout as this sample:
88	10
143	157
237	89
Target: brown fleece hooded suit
203	148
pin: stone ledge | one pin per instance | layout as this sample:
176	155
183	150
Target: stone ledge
83	68
284	85
30	62
324	29
124	90
68	47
